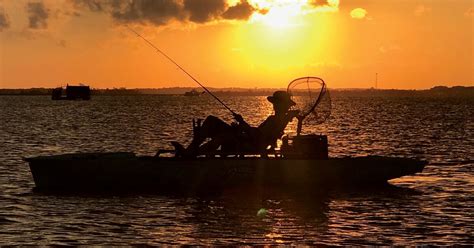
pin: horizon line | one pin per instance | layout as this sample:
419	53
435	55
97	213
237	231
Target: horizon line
221	88
239	88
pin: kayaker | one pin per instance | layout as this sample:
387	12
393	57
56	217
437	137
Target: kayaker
240	136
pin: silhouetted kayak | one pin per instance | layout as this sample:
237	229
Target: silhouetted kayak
126	171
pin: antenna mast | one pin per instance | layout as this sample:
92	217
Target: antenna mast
376	79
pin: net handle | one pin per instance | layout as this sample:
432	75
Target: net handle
300	118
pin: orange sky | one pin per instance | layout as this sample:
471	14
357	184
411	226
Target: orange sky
230	43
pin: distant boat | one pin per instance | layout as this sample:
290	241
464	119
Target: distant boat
193	93
80	92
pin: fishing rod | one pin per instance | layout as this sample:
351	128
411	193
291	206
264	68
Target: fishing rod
182	69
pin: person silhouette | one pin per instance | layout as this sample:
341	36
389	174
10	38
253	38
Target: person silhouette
240	137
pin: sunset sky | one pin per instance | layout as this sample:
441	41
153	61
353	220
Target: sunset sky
411	44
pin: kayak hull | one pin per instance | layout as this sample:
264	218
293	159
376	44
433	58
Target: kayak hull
125	171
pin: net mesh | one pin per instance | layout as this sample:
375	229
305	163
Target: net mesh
312	99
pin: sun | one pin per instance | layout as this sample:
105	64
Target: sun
288	13
279	14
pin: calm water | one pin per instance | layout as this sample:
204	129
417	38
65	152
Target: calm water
435	207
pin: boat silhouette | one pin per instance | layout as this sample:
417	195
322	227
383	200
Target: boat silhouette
126	171
301	162
81	92
193	92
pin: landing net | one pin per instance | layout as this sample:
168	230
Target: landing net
312	100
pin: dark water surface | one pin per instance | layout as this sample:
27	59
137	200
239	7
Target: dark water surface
434	207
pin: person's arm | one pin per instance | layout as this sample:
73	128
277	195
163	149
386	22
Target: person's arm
273	127
242	123
292	114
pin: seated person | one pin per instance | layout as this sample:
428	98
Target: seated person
240	136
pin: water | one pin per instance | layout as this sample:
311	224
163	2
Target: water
434	207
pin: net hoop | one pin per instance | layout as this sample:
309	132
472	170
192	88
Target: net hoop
317	99
322	91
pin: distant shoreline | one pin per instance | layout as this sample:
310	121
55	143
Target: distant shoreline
435	91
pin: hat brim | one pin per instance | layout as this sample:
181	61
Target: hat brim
274	100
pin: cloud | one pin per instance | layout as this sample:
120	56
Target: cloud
319	3
204	10
469	12
156	12
162	12
93	5
242	11
62	43
421	10
392	48
325	5
359	13
37	15
4	21
326	64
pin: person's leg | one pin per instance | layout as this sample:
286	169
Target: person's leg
213	128
210	146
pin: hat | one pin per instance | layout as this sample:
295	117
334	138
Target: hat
281	97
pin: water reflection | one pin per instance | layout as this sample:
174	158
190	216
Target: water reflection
235	213
304	217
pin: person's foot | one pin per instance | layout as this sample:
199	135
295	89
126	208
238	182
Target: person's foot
179	149
197	136
181	152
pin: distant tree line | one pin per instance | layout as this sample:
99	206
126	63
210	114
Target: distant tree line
438	91
32	91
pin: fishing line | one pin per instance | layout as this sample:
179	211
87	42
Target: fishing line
182	69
